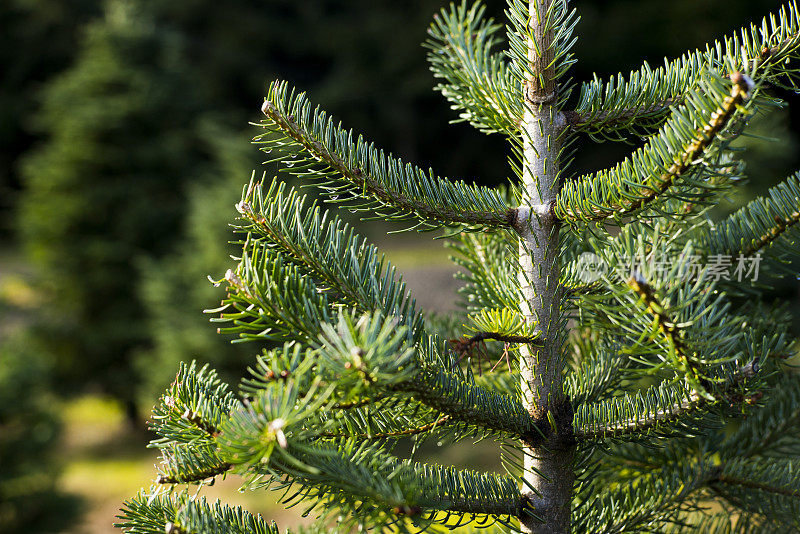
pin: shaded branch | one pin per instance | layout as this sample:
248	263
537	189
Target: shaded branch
621	117
652	420
618	117
474	405
766	239
759	224
643	424
723	479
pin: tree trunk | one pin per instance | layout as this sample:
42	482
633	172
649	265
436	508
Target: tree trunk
548	475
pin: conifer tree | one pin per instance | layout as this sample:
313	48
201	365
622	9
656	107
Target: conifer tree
122	142
30	498
640	381
175	289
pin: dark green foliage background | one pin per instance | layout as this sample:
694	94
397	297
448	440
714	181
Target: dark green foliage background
28	433
124	137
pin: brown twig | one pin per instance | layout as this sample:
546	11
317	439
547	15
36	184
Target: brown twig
211	472
781	225
464	346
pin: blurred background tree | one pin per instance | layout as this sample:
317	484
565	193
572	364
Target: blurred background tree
30	500
123	127
38	39
106	188
176	287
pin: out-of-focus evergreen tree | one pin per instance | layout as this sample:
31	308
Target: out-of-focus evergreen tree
104	188
38	39
29	499
361	57
176	287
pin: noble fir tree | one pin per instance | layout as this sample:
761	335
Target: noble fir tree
615	344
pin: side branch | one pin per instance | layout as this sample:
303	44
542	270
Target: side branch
644	424
761	49
615	193
653	419
395	434
619	118
198	476
472	404
766	239
466	344
760	224
397	190
616	119
369	478
786	492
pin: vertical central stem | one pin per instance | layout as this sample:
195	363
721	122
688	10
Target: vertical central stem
548	472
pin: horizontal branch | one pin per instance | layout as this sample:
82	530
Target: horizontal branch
394	434
367	173
614	119
640	101
766	486
197	476
470	403
723	479
759	224
362	475
673	413
641	425
766	239
618	118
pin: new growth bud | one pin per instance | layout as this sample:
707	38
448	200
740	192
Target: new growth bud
744	82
